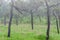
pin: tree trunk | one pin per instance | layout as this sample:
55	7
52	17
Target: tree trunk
57	25
11	15
48	28
4	20
56	22
48	20
32	19
16	19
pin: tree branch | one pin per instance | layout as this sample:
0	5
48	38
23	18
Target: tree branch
17	9
54	5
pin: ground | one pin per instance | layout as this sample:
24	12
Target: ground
24	32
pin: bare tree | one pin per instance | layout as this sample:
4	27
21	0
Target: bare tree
32	19
4	20
17	19
39	17
48	17
48	20
11	16
56	21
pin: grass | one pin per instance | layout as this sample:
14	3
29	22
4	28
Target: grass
24	32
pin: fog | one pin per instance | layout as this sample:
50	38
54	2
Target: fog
46	12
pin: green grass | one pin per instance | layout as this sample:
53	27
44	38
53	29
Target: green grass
24	32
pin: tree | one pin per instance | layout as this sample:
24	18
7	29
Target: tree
32	19
17	18
11	16
4	20
56	21
48	20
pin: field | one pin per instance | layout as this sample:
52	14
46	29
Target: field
24	32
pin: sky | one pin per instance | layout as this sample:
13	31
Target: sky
8	1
